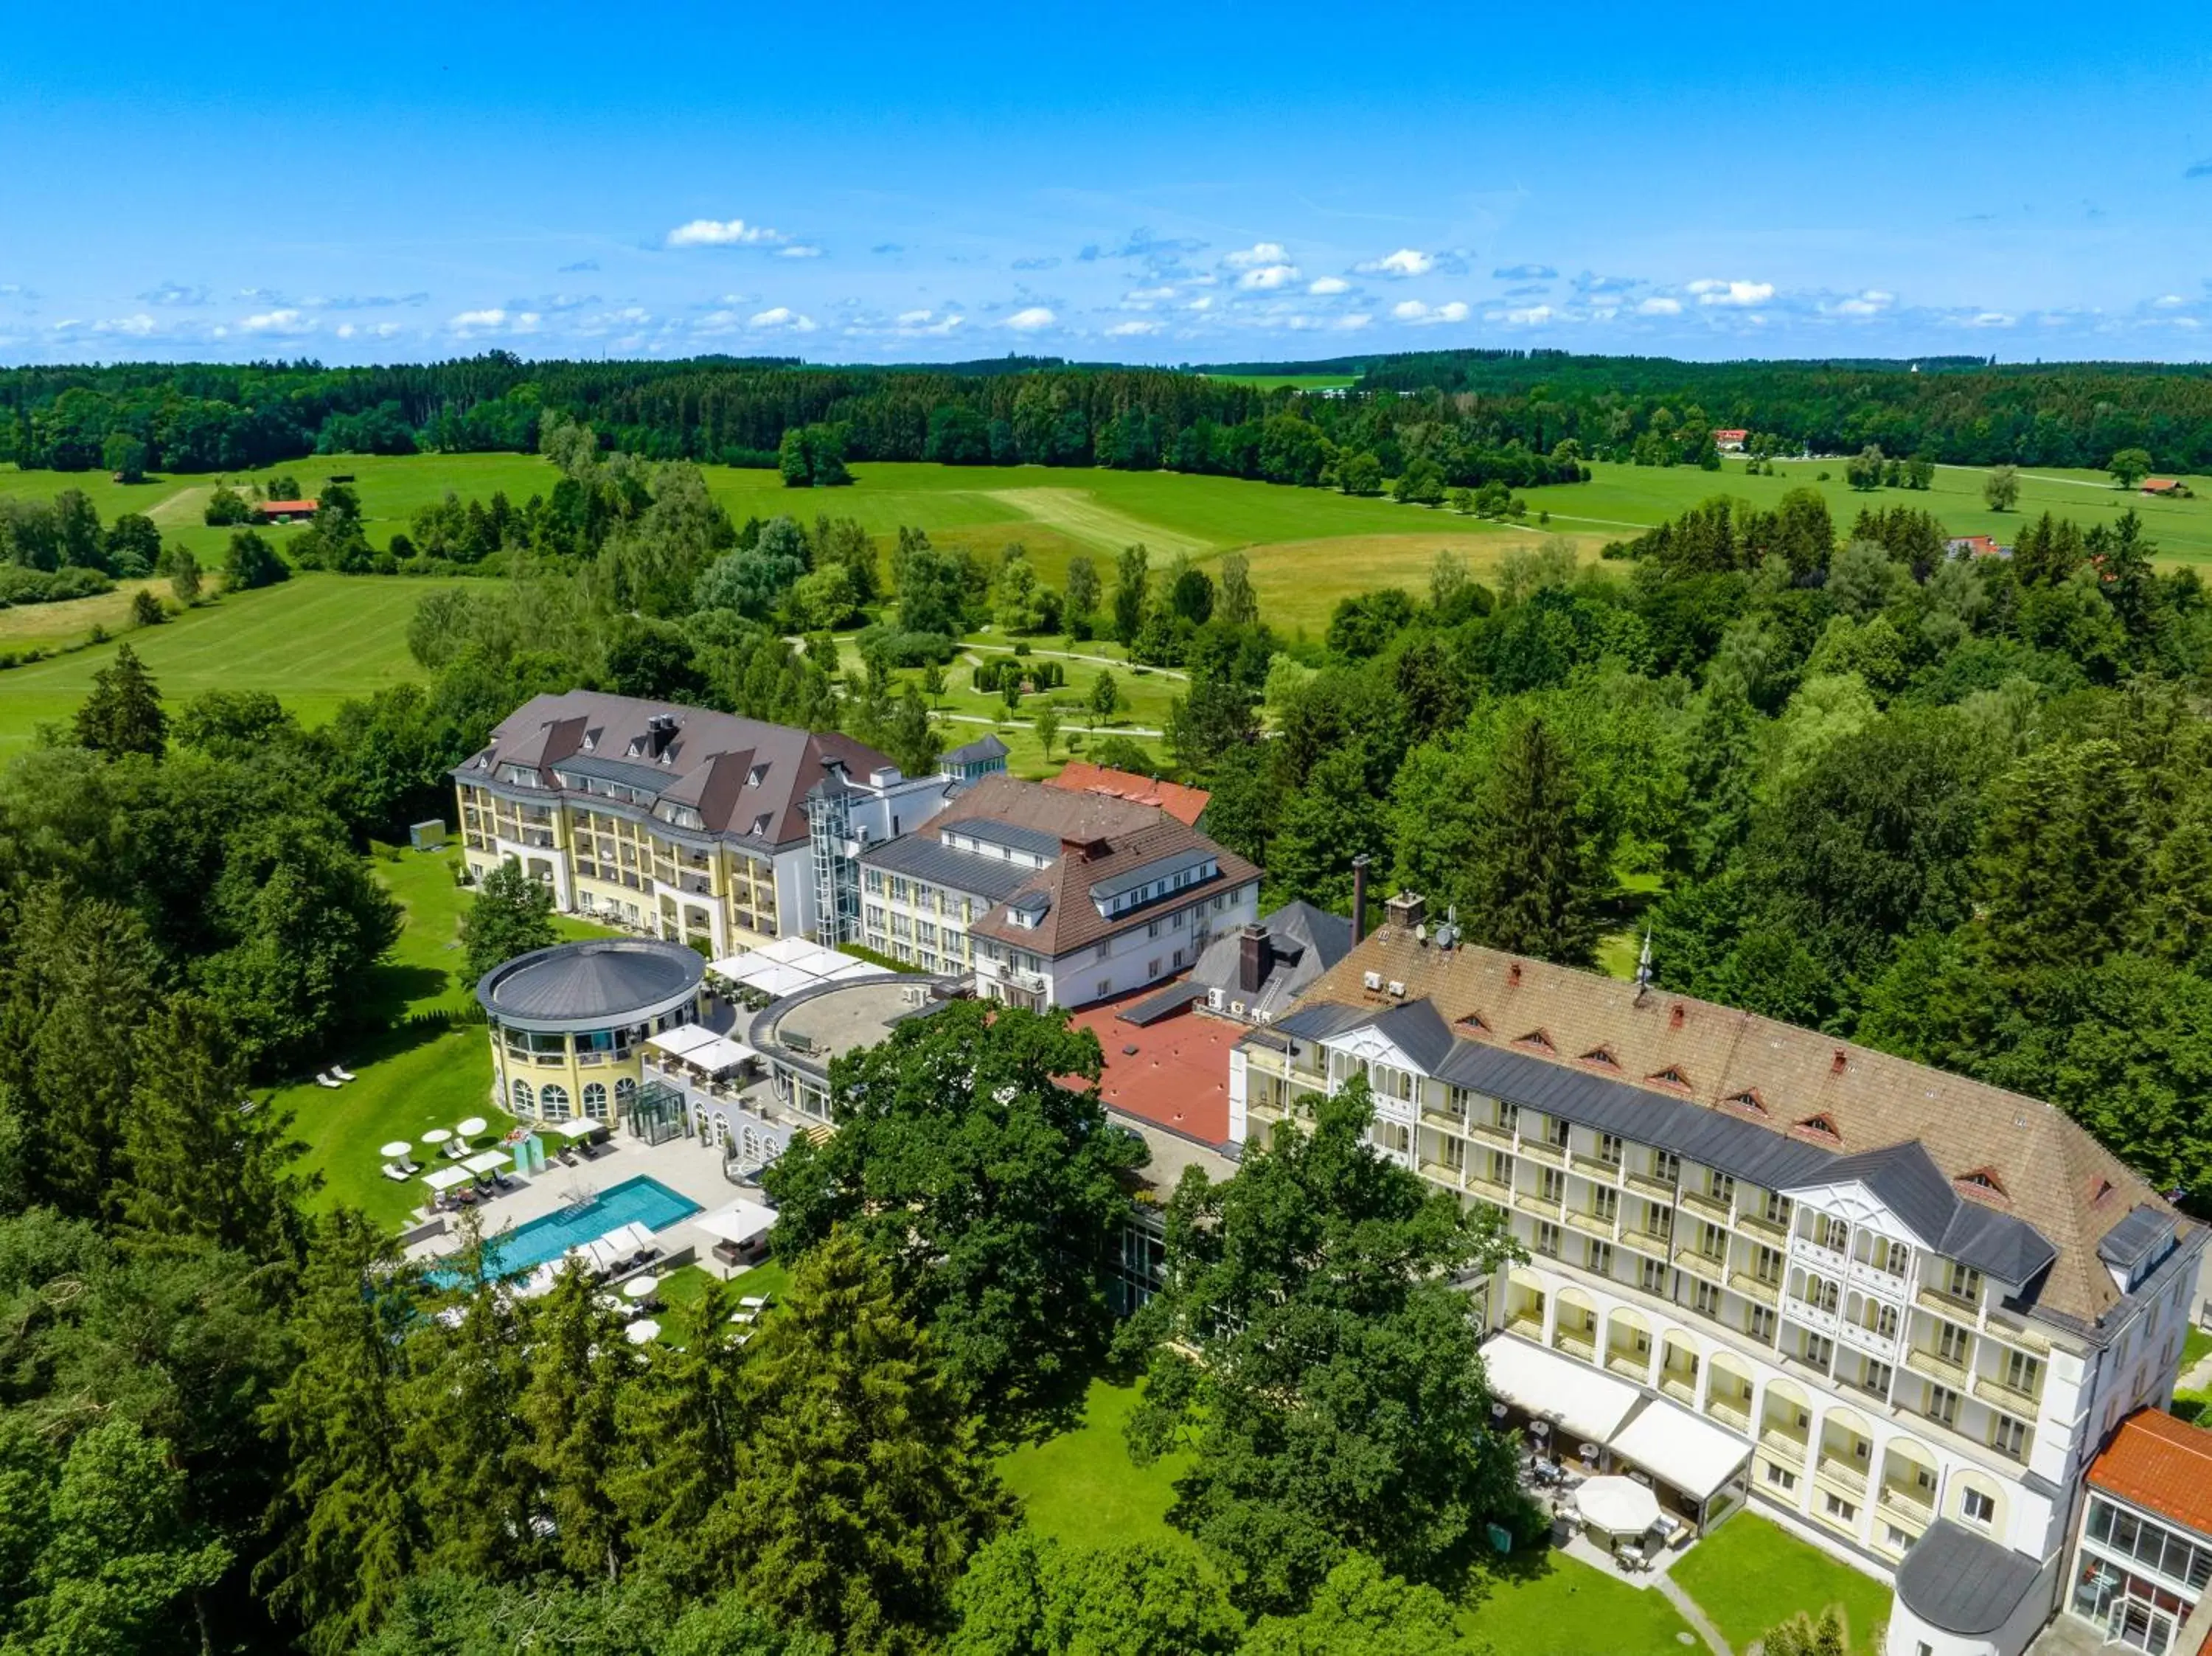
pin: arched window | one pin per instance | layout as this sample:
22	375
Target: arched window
523	1107
625	1095
595	1100
553	1102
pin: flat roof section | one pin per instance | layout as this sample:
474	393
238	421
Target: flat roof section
1173	1072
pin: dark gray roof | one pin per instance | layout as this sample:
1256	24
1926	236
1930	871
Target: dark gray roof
1303	943
2127	1245
1154	1007
922	857
975	753
629	772
603	980
1159	868
1039	842
1903	1176
1962	1582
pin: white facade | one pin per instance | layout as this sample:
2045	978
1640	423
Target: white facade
1875	1384
1164	944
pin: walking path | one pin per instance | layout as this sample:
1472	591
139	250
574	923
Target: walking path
1687	1608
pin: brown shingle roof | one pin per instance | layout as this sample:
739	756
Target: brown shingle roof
2052	1172
710	757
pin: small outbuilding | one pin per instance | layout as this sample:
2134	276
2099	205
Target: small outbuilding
286	512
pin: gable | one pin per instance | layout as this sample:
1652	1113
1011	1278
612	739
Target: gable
1851	1200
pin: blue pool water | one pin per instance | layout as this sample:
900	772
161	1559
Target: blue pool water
641	1200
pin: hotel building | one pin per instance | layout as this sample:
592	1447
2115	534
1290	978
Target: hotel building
1896	1308
681	823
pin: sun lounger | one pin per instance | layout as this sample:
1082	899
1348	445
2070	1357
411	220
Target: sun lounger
398	1174
754	1302
343	1074
324	1081
410	1166
505	1180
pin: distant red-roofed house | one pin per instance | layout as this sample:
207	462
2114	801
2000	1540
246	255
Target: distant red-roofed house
2143	1556
2168	487
1976	546
1185	804
285	511
1730	442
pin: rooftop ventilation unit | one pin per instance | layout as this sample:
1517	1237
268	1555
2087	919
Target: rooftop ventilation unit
1397	990
1372	979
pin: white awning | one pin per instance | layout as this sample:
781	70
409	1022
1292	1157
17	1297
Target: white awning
789	965
741	1221
446	1178
1584	1401
485	1160
1680	1448
682	1039
581	1126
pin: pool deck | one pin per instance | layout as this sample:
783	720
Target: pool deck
686	1166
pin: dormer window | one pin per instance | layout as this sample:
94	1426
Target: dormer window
1984	1181
1748	1100
1602	1057
1536	1040
760	823
1473	1025
1671	1076
755	776
1821	1127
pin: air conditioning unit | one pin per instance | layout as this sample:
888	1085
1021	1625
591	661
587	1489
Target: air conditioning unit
1372	979
1397	990
1214	1000
1237	1008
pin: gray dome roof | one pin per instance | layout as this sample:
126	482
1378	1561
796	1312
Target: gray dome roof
600	981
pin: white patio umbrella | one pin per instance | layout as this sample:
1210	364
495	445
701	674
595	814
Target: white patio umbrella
436	1136
471	1127
1619	1506
641	1288
642	1330
397	1147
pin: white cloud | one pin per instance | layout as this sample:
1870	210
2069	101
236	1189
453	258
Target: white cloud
1353	320
798	249
1265	278
137	326
1873	302
1260	252
367	330
284	321
720	232
1329	285
913	318
2168	302
1712	292
493	318
1203	302
1532	316
1989	319
1030	319
1658	305
1132	329
1405	262
928	322
783	316
1413	310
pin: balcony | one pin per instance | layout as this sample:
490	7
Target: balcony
1594	1224
1440	1117
2010	1399
1594	1167
1707	1206
1441	1173
1630	1366
1491	1191
1755	1288
1650	1184
1733	1412
1644	1242
1843	1473
1952	1374
1490	1133
1529	1201
1878	1281
1872	1341
1543	1152
2021	1335
1946	1304
1712	1268
1758	1224
1830	1262
1582	1345
1906	1504
1785	1445
1528	1323
1816	1318
1682	1387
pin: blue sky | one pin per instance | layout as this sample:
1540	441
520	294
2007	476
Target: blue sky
1139	182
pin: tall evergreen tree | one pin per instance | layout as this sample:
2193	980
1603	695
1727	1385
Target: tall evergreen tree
2062	860
579	1364
1535	876
512	915
684	1418
861	1492
124	713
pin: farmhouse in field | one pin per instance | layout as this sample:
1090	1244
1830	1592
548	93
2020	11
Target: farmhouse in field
1897	1310
1976	546
685	824
1730	442
1052	897
2167	487
285	511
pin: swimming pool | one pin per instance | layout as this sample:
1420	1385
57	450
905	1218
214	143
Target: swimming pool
641	1200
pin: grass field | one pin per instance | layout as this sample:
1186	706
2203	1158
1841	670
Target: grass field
410	1079
1549	1604
314	640
1082	1488
1749	1575
1287	381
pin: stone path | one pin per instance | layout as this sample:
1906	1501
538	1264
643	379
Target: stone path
1691	1613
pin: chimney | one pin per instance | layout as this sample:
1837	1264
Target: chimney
1840	1063
1406	910
1074	848
1358	899
1252	958
659	730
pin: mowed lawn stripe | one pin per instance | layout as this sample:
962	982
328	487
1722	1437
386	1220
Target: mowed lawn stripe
1081	514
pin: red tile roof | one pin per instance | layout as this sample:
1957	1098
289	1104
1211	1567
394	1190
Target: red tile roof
1178	1075
272	508
1185	804
2161	1465
2160	485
